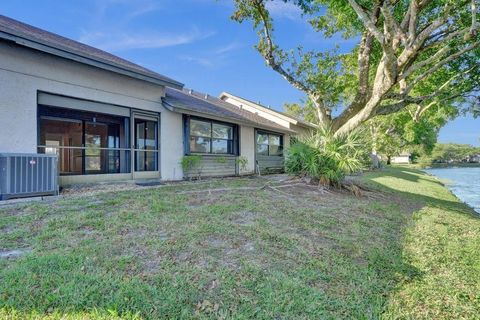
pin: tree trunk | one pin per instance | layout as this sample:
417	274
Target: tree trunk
373	156
384	80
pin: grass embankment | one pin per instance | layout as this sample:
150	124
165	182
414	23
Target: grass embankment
409	251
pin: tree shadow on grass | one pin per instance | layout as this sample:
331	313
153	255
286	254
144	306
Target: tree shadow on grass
447	226
407	191
407	174
359	267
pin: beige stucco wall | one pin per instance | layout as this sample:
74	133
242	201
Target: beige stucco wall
301	130
247	148
24	72
286	141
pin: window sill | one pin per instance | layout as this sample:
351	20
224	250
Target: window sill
211	154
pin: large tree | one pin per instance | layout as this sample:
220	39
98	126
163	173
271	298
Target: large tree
418	52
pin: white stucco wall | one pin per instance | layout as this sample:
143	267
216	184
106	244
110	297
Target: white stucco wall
24	72
247	148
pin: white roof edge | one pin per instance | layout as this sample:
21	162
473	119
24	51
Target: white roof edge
258	106
262	108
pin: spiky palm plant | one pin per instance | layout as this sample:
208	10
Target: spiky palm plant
325	156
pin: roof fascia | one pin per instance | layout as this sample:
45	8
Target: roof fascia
88	61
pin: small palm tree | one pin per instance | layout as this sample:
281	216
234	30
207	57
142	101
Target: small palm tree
325	156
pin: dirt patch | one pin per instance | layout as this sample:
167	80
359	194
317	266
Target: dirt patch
13	254
217	252
92	189
245	218
87	230
196	200
7	230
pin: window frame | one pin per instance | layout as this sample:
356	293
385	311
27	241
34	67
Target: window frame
268	134
233	141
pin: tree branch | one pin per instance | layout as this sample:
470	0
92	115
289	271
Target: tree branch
473	29
412	23
440	64
406	100
270	59
417	43
393	30
367	21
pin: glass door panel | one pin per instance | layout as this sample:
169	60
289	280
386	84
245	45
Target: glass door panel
151	145
99	137
113	142
146	144
95	139
64	137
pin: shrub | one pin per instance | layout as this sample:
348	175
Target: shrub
191	164
221	160
326	157
242	162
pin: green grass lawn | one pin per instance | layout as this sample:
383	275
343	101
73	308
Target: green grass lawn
409	251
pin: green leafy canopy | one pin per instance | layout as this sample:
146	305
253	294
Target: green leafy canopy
419	53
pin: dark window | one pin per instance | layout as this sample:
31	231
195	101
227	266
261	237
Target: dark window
211	137
269	144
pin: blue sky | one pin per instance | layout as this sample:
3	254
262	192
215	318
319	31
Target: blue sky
194	42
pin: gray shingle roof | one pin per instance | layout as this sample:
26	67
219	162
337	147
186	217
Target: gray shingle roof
186	101
29	36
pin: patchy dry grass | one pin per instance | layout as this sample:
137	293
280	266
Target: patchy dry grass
203	251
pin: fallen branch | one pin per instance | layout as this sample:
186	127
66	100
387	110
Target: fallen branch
222	190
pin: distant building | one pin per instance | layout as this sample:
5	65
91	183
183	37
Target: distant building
403	158
475	158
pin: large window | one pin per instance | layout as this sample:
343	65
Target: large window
85	142
269	144
211	137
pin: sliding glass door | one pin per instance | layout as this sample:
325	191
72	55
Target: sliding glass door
86	143
92	143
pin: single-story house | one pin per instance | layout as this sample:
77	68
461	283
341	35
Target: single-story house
285	120
109	119
403	158
474	158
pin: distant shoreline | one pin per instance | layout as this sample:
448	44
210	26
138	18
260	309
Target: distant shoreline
453	165
460	184
438	165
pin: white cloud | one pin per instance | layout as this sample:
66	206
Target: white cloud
144	9
216	57
118	41
206	62
112	27
285	10
227	48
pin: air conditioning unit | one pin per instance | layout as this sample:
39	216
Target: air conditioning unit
28	175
